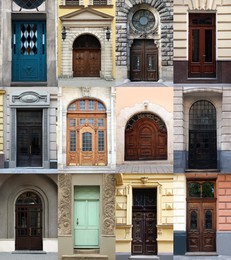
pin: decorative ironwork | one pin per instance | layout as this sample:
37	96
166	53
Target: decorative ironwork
28	198
155	118
29	39
143	20
29	4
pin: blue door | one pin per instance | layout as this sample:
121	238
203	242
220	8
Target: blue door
29	51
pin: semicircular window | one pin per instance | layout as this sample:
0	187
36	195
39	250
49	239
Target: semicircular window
29	4
28	198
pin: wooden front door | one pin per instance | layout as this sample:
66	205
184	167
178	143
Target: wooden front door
145	138
86	56
29	51
29	138
201	226
144	232
28	227
144	61
202	60
86	217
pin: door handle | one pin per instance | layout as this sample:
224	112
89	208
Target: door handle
30	149
77	222
30	231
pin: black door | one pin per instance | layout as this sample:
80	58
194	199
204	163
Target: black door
144	61
144	231
28	226
29	138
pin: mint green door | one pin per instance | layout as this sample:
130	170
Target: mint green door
86	217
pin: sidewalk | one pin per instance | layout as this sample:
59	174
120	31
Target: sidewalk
189	257
31	256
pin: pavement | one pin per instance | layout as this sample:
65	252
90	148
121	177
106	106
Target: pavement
189	257
28	256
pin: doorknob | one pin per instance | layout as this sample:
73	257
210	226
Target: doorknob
77	222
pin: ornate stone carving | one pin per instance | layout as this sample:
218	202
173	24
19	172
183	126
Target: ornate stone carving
64	205
108	204
86	91
30	98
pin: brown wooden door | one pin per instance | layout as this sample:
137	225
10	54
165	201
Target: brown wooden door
28	226
145	141
144	61
29	138
202	60
201	226
144	231
86	63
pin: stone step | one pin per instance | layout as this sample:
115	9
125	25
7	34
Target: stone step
85	257
144	257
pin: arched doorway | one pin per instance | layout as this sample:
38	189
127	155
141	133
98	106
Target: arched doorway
202	136
145	138
86	56
28	222
144	61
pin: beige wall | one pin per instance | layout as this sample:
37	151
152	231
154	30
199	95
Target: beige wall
222	9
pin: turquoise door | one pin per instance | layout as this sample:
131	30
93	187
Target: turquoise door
86	217
29	51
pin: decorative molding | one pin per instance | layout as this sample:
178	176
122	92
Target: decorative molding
30	98
86	91
64	204
108	204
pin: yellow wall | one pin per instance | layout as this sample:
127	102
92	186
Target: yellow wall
67	10
164	185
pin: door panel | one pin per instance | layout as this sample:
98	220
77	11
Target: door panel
202	60
29	51
86	63
86	218
29	138
28	228
201	226
202	150
144	61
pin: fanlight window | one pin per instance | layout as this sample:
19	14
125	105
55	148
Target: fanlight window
28	198
201	189
86	133
29	4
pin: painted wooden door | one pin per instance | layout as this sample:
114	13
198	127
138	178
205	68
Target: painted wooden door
29	138
144	61
28	228
201	226
202	60
29	51
86	217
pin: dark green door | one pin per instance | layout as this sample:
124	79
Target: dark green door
29	51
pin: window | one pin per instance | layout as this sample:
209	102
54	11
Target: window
86	133
72	2
29	4
202	45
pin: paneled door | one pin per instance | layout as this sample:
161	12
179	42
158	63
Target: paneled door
144	232
28	228
201	226
29	138
144	61
29	51
86	217
202	45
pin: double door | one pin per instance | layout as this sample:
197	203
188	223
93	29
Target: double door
28	227
201	226
144	61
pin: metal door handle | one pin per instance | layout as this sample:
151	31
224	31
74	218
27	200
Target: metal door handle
30	149
30	231
77	222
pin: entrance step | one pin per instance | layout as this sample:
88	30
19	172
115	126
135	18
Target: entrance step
144	257
85	257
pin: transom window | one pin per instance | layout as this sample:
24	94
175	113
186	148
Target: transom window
198	189
29	4
86	133
72	2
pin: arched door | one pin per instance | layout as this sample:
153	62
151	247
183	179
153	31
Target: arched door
202	136
86	56
28	226
144	61
145	138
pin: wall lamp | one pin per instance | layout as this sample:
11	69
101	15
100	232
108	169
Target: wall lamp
108	34
64	33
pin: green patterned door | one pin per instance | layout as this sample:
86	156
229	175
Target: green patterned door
29	51
86	217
